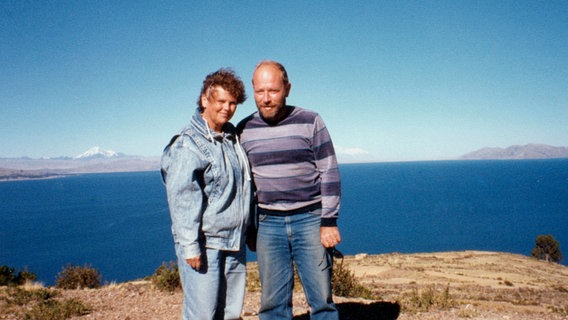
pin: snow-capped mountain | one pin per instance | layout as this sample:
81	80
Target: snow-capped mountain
97	153
94	160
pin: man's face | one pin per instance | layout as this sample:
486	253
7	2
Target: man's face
219	108
270	93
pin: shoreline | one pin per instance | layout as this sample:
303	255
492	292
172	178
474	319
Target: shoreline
28	178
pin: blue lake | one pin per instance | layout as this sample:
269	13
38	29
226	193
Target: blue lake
119	223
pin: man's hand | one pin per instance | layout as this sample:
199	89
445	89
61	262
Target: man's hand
195	263
330	236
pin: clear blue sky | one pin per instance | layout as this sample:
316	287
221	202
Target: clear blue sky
393	80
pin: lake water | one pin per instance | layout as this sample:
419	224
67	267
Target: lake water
119	223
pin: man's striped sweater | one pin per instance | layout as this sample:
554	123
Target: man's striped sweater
293	163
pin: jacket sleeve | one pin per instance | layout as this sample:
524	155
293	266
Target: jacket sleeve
182	171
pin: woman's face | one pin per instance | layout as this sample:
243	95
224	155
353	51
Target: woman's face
218	108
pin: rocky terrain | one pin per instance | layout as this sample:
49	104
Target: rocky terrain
446	285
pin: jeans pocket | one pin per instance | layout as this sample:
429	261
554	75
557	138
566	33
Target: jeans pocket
262	217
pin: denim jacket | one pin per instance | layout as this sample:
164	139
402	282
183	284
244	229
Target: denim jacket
208	187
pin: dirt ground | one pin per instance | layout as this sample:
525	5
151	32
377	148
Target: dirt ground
444	285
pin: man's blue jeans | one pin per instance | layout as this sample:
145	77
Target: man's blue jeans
281	242
217	291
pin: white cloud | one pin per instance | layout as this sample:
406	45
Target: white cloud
352	154
351	151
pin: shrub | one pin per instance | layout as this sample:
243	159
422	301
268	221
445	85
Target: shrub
20	297
8	276
428	298
57	310
39	303
25	276
253	278
562	310
76	277
166	277
344	283
547	248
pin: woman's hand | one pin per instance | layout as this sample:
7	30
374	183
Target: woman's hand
195	262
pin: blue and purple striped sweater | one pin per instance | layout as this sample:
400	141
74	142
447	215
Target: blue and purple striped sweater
293	163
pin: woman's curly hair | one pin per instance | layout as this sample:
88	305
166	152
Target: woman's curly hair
227	79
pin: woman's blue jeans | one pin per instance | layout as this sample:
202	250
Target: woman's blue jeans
282	242
217	291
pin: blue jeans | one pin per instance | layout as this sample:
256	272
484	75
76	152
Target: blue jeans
217	291
282	242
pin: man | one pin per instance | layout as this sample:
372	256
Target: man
298	189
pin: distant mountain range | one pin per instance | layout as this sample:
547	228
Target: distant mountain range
99	160
94	160
529	151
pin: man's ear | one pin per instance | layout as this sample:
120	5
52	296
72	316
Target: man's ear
288	87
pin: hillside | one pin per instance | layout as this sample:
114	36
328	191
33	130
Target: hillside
93	160
459	285
25	168
529	151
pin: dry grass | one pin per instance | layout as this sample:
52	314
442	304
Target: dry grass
468	284
449	285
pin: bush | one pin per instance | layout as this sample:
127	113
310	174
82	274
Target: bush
429	297
166	277
39	304
77	277
547	248
8	276
253	278
25	276
344	283
562	310
20	297
57	310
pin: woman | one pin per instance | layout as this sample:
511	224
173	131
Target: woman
208	186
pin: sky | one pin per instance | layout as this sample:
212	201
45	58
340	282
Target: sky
393	80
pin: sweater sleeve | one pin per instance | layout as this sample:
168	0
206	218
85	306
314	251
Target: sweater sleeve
326	163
